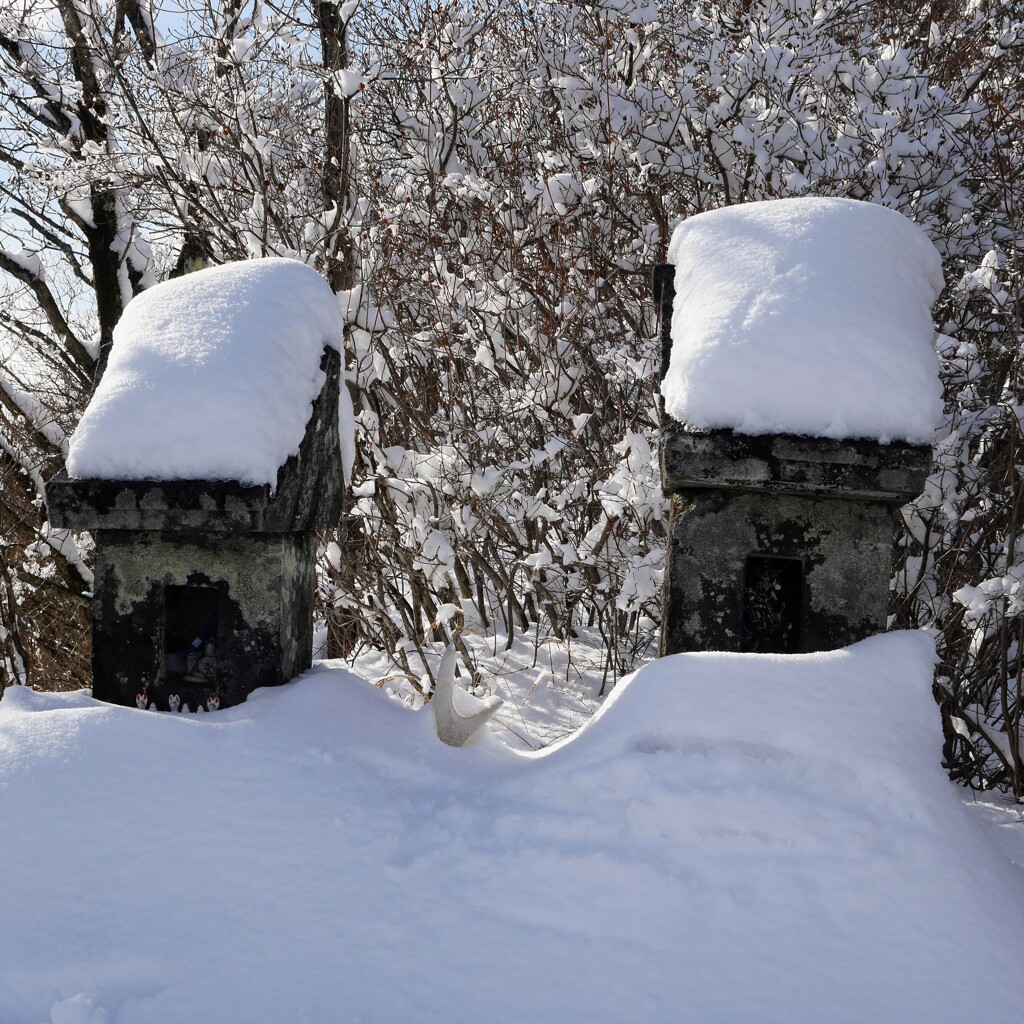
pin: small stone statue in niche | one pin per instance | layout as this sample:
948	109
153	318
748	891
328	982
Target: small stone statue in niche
202	668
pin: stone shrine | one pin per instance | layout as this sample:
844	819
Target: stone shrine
204	588
780	542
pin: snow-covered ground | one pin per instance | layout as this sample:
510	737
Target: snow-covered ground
731	838
549	687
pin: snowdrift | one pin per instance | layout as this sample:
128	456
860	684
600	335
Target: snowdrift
732	838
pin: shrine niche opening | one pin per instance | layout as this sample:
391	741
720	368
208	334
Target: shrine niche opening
772	604
191	616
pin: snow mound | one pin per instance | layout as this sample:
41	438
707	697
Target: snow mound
732	838
805	316
211	377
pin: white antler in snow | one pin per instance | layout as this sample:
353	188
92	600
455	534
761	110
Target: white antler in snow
457	714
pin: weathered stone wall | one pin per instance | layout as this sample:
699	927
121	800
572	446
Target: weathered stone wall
264	636
844	548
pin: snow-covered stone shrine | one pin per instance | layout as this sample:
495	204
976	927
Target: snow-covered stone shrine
800	395
204	463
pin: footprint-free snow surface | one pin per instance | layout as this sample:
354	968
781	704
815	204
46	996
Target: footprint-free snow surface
733	838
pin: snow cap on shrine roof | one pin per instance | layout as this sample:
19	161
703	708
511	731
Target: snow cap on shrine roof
805	316
211	376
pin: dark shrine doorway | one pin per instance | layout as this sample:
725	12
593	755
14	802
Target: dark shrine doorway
772	604
191	616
